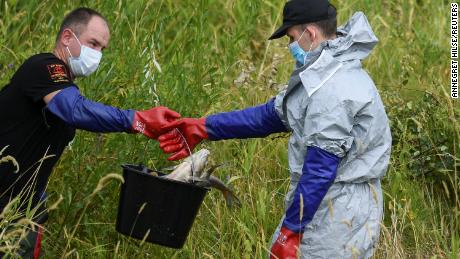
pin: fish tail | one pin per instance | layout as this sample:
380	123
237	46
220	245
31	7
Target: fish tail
231	199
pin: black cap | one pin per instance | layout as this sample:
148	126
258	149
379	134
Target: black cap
303	11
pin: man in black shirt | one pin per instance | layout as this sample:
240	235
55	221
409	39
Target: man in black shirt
41	107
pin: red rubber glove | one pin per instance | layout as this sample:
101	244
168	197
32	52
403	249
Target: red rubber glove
150	122
286	245
193	130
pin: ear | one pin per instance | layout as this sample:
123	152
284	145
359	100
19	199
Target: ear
66	37
312	32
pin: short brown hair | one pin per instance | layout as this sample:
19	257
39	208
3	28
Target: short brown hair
78	19
329	26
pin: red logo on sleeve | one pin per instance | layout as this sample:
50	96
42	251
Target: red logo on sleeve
58	73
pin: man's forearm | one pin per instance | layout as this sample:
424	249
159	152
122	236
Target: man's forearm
253	122
318	174
81	113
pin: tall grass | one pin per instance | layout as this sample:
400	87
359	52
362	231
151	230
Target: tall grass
205	56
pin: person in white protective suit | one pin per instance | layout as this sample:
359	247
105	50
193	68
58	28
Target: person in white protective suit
340	140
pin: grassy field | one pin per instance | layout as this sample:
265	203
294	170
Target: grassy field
188	55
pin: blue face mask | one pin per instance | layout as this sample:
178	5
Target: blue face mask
297	52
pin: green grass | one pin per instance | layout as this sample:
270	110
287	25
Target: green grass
201	48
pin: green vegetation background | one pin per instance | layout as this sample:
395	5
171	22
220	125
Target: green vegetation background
204	56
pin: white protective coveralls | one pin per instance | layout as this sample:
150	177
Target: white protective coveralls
332	103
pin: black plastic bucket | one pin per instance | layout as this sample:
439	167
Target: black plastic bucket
157	209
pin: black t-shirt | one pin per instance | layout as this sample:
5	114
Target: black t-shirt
29	132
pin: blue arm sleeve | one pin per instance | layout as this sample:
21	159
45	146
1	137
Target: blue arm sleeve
81	113
318	174
257	121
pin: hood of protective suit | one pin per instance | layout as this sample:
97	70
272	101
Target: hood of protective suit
355	41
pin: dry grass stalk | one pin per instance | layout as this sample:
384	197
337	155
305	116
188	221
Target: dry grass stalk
11	159
100	185
103	182
56	204
8	208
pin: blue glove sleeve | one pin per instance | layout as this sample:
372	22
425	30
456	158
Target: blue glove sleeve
81	113
318	174
257	121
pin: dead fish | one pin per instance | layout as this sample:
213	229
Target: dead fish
208	180
201	177
193	164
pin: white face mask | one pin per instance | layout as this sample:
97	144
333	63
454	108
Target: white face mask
86	63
